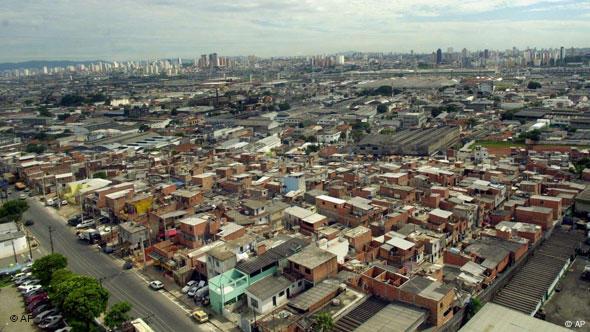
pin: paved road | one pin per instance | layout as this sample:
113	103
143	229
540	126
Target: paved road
123	285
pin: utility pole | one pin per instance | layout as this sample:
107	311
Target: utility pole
51	237
14	252
143	253
44	197
29	245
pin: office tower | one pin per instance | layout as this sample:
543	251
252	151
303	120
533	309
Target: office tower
438	56
180	62
213	60
340	60
203	63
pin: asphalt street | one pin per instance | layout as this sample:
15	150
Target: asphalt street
124	285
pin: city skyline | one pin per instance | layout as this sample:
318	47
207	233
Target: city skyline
132	29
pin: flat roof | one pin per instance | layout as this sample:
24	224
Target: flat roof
311	257
496	318
268	286
441	213
394	317
331	199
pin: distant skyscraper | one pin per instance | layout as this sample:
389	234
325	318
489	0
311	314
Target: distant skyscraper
213	60
438	56
203	63
486	54
179	61
339	60
561	54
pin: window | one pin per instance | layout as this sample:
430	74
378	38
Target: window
274	301
253	303
281	293
300	283
308	271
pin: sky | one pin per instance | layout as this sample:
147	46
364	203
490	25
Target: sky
150	29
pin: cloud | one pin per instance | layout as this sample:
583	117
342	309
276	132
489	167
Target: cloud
90	29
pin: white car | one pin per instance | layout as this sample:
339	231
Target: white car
86	224
188	286
29	288
156	284
64	202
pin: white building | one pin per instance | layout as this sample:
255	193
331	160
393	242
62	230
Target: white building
272	292
12	241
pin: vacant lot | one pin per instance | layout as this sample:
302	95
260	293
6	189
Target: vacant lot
13	308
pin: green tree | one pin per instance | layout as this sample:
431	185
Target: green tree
323	322
35	148
382	108
100	175
144	127
117	315
43	111
534	85
13	210
44	267
472	308
85	303
61	275
59	289
471	122
284	106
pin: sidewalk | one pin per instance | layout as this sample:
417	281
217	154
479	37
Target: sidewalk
174	293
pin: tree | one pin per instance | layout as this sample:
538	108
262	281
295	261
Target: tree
35	148
382	108
284	106
534	85
72	100
472	308
174	111
43	111
117	315
85	303
59	289
61	275
534	135
13	210
44	267
323	322
100	175
144	127
312	148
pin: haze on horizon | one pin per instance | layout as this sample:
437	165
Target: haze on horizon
140	29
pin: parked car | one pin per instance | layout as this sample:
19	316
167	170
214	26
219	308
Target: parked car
188	286
31	306
202	292
56	325
30	282
64	202
40	309
86	223
192	291
22	196
200	316
29	222
28	288
33	292
36	297
46	313
64	329
20	275
127	265
156	284
50	321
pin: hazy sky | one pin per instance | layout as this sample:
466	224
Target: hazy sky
139	29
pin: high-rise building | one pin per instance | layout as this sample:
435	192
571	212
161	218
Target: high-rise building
213	60
340	60
203	63
438	56
561	54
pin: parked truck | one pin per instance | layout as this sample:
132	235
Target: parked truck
90	235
